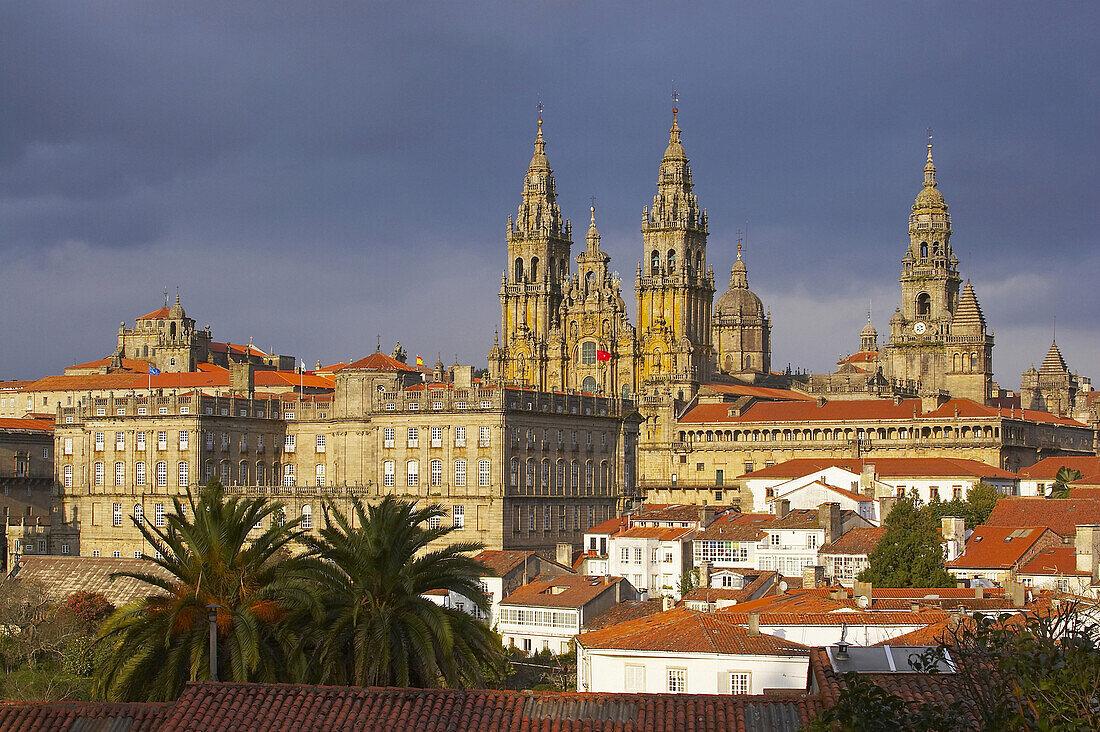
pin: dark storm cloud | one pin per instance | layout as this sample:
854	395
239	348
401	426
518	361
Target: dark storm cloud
313	175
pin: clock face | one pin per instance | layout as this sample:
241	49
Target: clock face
919	328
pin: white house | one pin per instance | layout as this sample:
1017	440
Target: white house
844	558
731	541
594	554
682	651
791	542
728	587
1037	479
652	558
546	613
996	553
813	493
1057	568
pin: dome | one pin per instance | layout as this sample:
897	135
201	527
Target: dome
868	331
929	197
739	301
897	318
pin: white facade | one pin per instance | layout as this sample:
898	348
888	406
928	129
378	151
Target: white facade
815	493
789	551
948	488
652	564
534	629
725	553
629	671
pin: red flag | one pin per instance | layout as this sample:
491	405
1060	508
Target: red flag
602	355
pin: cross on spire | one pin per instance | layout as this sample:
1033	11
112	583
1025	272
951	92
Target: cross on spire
675	101
378	343
539	108
740	241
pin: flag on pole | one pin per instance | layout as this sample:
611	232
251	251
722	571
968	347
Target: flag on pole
602	355
419	361
153	370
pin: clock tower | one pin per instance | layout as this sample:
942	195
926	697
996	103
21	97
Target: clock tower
937	339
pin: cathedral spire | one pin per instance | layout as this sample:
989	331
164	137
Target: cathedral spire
930	196
539	213
593	238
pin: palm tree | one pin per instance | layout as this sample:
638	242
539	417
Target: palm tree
1060	488
154	646
378	629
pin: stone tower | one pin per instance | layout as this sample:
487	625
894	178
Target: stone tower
593	339
674	287
868	337
166	338
742	329
936	339
531	285
1051	388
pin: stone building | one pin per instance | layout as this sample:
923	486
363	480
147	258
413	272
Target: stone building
26	487
1053	388
742	330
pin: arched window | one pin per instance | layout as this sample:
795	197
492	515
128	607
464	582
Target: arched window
574	474
698	261
545	474
671	260
605	476
242	473
560	482
260	477
589	282
162	475
319	474
139	512
924	304
172	330
655	262
513	472
923	250
589	385
534	273
588	474
973	361
307	517
412	473
588	352
530	474
519	270
288	474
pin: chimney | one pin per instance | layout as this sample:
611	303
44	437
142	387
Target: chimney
863	589
564	553
813	577
667	602
754	623
1017	592
706	516
953	531
702	572
885	506
782	508
867	480
463	377
979	593
1087	548
828	518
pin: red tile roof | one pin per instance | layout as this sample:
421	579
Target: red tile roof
674	512
156	314
236	349
689	631
940	688
885	468
500	562
737	527
624	611
1061	515
608	527
967	408
763	392
856	541
1000	547
1047	468
221	707
34	425
660	533
66	716
128	364
379	361
570	590
1057	560
292	378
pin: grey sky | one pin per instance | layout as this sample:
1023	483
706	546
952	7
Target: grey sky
313	174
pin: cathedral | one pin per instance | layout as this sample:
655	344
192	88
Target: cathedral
563	330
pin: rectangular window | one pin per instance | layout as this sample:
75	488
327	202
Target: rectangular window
483	436
388	472
209	441
99	442
142	411
412	473
68	446
99	473
739	683
288	474
435	473
433	522
437	437
387	437
624	554
140	446
635	678
162	440
120	440
637	555
288	444
483	473
414	437
458	514
184	475
139	473
677	680
460	473
158	514
184	439
460	437
162	475
120	474
319	475
116	514
320	443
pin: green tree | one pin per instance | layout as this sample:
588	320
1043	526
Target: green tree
154	646
1060	488
378	630
979	503
910	553
865	707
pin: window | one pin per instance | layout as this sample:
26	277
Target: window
637	555
184	475
162	475
560	484
437	437
116	554
635	678
739	682
434	522
116	514
588	474
95	552
388	473
68	450
483	437
209	440
184	439
120	440
934	493
546	518
288	444
162	440
288	474
458	516
460	473
546	474
45	453
460	437
624	554
68	479
811	540
387	437
435	473
412	473
319	474
307	517
530	473
574	474
414	437
483	472
139	512
99	473
320	443
120	474
677	680
158	514
513	472
139	473
588	352
775	539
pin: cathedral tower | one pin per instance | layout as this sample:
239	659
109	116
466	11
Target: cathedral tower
531	285
674	287
937	339
742	329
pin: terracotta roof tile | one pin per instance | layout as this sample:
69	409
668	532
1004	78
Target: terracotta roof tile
1000	547
674	512
624	611
938	688
379	361
856	541
158	313
569	590
1057	560
1047	468
885	468
608	527
33	425
688	631
67	716
737	527
1061	515
59	577
501	562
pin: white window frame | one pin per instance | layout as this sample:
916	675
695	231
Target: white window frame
484	473
389	473
460	473
460	437
458	516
